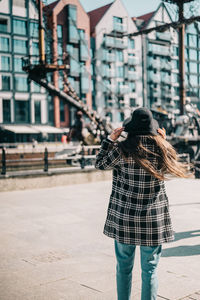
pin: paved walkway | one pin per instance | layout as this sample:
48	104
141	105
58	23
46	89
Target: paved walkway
52	246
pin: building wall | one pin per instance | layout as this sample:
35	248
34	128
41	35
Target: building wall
120	104
59	16
23	41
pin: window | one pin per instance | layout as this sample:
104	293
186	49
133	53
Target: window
131	44
6	111
193	54
193	80
120	72
4	44
132	86
36	87
21	84
3	25
20	46
37	108
192	39
18	64
19	27
72	13
132	102
6	82
34	29
60	50
59	31
35	48
175	64
21	111
120	116
175	51
62	111
72	33
193	67
5	63
119	55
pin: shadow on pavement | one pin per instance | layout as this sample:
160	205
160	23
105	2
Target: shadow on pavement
183	250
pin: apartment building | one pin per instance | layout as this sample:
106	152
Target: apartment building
70	30
161	62
21	102
116	62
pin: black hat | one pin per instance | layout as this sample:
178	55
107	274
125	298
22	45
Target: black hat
141	123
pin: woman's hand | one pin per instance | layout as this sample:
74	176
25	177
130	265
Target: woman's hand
116	133
162	132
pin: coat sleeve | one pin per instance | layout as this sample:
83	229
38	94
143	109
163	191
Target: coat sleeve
108	157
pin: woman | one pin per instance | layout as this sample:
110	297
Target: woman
138	212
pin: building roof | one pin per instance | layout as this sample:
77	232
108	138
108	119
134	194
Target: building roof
96	15
145	18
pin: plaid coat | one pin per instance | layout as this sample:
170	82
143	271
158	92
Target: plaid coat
138	211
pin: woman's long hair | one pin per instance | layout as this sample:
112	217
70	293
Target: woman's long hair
164	155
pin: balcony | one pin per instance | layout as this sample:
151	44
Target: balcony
133	60
159	50
164	36
166	66
118	27
154	64
109	41
110	57
155	78
123	89
119	43
110	88
166	80
131	75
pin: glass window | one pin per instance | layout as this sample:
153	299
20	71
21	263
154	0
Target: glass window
193	67
120	72
18	64
73	33
6	82
36	87
119	55
3	25
5	63
21	84
120	116
34	31
59	31
175	64
21	111
193	80
175	78
193	54
117	20
72	13
62	111
20	46
6	111
175	51
19	27
132	86
60	50
132	102
37	108
131	44
192	39
4	44
35	48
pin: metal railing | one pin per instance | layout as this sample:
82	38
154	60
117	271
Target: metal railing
80	156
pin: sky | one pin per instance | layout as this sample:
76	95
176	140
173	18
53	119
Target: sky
135	8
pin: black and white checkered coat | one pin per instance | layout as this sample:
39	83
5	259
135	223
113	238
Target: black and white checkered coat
138	211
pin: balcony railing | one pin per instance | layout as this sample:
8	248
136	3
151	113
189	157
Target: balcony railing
133	60
120	44
118	27
131	75
155	78
165	36
111	88
123	89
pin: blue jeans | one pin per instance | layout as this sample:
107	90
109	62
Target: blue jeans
149	257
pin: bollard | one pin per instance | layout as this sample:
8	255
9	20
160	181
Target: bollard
3	161
197	169
82	159
46	160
